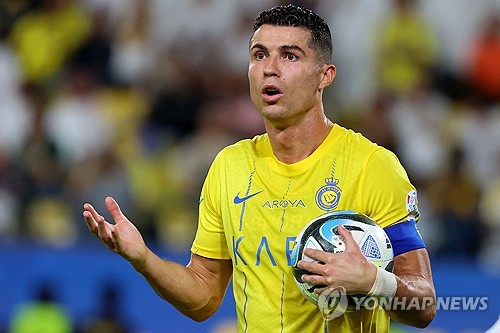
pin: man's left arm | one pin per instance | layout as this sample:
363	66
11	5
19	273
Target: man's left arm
415	300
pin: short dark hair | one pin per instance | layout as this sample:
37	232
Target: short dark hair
295	16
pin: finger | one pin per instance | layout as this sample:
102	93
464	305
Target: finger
350	243
114	209
318	255
321	289
320	268
102	228
89	220
88	207
115	237
104	232
93	218
316	280
91	215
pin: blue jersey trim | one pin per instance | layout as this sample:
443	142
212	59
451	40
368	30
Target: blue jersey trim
404	237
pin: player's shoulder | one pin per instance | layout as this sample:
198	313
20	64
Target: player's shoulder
365	149
357	140
244	148
354	136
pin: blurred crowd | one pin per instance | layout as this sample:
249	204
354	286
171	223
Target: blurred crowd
134	98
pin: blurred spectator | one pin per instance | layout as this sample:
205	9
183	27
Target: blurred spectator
355	28
95	51
12	10
174	106
9	216
43	314
108	317
133	49
480	142
417	123
76	120
407	48
40	157
484	59
490	213
44	38
454	197
15	193
49	221
15	115
193	25
376	123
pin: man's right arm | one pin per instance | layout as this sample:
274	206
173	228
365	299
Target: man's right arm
196	290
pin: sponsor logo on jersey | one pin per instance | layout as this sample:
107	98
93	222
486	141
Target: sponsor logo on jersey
285	203
238	200
265	251
328	196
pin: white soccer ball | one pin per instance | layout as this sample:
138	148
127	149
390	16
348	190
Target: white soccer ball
322	234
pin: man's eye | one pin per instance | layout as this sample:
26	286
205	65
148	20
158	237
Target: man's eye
291	57
259	55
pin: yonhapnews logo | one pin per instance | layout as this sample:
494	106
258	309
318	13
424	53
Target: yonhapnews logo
334	302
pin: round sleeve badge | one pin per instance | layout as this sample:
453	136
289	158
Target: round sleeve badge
412	203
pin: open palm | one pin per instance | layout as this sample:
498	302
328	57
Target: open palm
121	237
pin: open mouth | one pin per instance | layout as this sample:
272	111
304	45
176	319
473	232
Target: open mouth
271	91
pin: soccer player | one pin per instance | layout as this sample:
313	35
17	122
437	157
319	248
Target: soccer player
260	192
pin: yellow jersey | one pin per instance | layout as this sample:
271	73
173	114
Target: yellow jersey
252	206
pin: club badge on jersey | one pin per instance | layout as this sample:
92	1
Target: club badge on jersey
328	196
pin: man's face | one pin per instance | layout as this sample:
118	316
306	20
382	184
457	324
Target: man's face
284	74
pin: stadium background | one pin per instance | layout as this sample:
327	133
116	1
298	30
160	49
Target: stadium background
133	98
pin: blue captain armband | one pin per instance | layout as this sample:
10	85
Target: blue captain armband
404	237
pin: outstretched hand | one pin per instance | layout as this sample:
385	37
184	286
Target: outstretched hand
122	237
349	269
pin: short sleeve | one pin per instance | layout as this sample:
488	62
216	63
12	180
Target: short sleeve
210	239
386	193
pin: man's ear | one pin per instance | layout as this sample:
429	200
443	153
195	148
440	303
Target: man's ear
328	74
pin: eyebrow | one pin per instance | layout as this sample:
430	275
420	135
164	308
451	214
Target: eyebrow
283	48
286	48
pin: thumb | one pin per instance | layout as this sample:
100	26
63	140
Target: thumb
350	243
114	209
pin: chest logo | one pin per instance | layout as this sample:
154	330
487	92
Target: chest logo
328	196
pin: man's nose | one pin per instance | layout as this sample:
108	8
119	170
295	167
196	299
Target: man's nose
272	67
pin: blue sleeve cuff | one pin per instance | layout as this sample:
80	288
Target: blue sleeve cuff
404	237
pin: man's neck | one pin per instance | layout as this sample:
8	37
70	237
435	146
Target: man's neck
295	143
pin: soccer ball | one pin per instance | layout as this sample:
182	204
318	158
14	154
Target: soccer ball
322	234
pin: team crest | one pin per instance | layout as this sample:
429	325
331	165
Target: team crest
328	196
